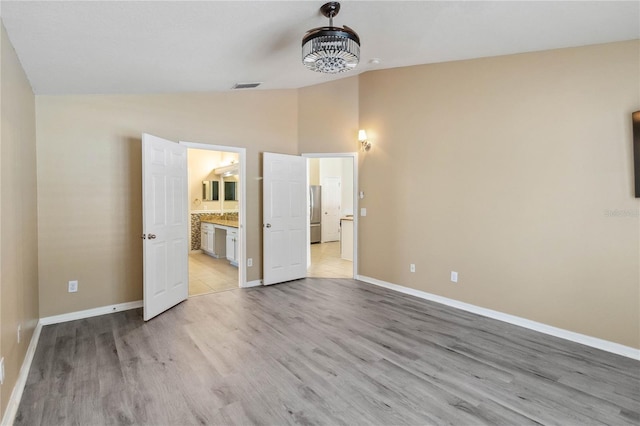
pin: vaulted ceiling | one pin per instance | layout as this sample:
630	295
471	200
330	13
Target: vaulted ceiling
87	47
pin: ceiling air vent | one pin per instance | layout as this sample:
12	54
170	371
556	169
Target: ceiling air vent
246	85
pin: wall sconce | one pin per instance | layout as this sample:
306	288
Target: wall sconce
364	142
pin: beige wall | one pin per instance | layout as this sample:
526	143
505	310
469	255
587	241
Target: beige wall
89	172
328	117
18	221
504	169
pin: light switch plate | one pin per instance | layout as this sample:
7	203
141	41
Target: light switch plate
454	277
363	211
73	286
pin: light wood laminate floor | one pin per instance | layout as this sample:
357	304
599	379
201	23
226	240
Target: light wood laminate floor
320	351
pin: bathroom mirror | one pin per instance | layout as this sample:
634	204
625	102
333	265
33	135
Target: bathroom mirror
230	191
210	190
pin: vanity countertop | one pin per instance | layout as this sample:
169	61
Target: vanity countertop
222	222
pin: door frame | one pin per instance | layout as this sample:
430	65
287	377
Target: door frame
242	201
354	157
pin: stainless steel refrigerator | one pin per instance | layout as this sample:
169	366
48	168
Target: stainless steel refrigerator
315	206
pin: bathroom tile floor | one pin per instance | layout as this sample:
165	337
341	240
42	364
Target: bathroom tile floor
209	275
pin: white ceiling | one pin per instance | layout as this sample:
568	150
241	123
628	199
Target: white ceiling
182	46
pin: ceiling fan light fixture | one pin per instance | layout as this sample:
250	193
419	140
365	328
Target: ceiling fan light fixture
331	49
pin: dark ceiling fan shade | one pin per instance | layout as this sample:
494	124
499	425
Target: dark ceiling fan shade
331	31
331	49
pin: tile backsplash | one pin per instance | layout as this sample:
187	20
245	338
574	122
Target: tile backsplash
196	220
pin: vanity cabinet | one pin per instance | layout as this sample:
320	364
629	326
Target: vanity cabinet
220	241
208	238
232	247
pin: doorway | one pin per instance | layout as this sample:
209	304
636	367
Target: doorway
216	191
336	176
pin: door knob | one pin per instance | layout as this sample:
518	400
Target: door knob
268	225
152	236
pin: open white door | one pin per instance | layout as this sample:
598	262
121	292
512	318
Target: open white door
285	236
164	225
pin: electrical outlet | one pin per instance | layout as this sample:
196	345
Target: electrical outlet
249	262
412	267
19	327
454	277
73	286
1	370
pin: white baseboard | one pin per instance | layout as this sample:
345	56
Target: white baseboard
195	251
16	395
55	319
594	342
255	283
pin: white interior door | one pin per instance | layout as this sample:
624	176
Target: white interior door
285	210
331	210
165	225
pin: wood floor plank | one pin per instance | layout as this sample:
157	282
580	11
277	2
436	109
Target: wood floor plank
320	351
